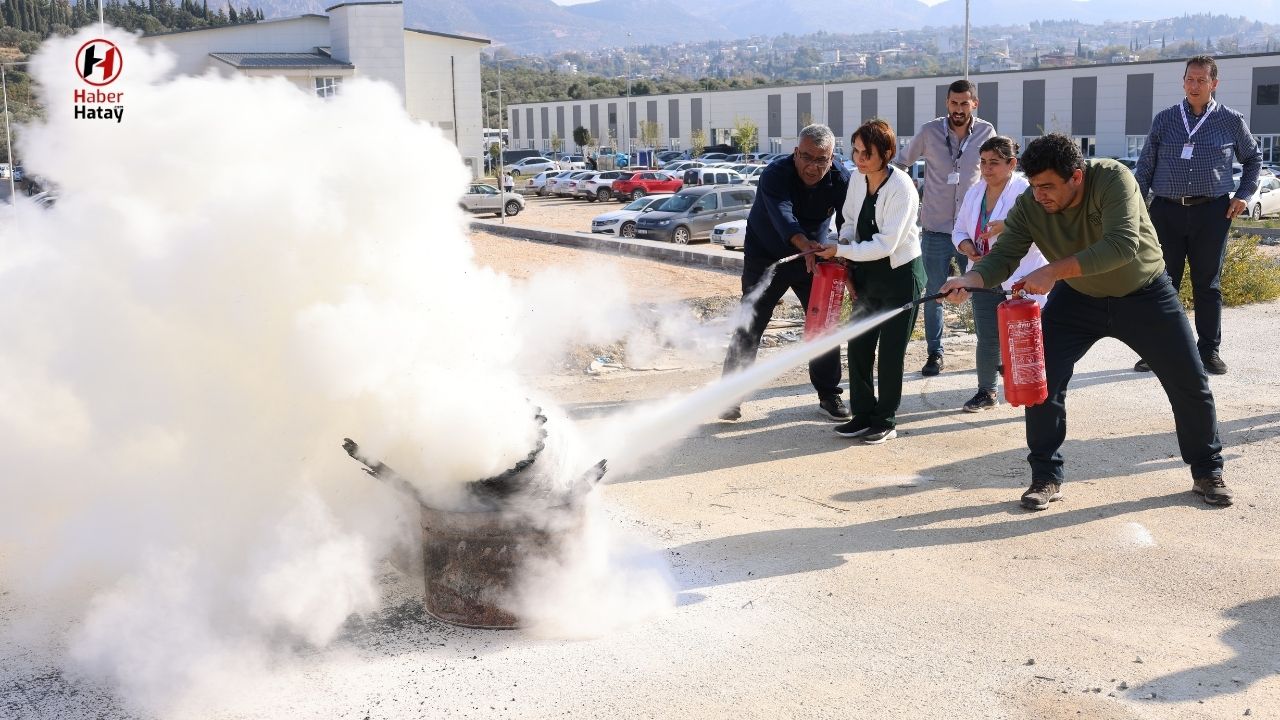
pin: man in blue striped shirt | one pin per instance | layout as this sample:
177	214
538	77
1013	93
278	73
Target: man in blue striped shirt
1186	164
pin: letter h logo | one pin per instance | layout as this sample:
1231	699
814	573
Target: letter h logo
98	62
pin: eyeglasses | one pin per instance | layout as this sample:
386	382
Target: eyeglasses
808	159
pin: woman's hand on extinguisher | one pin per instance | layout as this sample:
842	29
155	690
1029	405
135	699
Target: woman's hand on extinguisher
957	288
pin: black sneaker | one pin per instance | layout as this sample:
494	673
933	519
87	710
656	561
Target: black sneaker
1141	366
877	435
833	407
1213	364
853	428
733	414
983	400
1040	494
1215	491
932	366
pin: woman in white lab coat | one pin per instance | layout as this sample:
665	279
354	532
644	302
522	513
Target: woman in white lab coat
978	226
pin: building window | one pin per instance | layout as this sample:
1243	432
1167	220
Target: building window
1133	145
327	86
1269	94
1088	145
1269	145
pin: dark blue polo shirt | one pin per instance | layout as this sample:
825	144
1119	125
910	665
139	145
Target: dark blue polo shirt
784	206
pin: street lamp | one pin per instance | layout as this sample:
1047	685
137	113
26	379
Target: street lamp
966	39
626	70
8	142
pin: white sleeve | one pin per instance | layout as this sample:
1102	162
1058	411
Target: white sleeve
899	212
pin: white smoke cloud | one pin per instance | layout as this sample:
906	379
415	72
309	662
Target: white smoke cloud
236	277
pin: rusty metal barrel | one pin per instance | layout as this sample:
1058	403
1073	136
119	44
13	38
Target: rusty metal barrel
472	561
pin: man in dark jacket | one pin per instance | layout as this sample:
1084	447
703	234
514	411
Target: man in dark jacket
795	201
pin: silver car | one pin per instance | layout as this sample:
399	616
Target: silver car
484	198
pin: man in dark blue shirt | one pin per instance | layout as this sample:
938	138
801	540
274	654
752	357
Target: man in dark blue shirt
795	201
1186	164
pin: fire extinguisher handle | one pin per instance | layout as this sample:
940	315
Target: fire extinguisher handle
1019	290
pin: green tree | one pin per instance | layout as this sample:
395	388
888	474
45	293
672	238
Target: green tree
650	133
697	142
746	134
581	137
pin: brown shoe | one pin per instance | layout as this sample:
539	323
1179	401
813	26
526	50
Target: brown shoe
1040	494
1214	491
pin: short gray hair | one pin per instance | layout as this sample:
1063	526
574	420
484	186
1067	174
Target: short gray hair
820	134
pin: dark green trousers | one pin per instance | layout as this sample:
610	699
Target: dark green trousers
881	287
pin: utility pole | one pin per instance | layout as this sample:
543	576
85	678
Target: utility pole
502	191
8	142
626	69
966	39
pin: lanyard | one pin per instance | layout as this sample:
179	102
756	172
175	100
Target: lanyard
984	219
1213	105
955	159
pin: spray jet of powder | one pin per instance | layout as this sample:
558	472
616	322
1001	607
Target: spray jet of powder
236	277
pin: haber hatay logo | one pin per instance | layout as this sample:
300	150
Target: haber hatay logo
98	62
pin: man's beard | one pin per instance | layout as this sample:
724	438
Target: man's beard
964	120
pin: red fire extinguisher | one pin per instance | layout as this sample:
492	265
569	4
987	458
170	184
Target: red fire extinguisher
824	299
1022	349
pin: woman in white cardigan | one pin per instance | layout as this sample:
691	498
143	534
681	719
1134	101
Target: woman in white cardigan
978	226
881	240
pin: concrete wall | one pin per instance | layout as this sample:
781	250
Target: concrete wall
301	34
442	87
720	109
371	37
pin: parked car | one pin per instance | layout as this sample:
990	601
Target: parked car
510	157
731	235
646	183
569	186
712	176
600	186
1129	162
1267	200
532	166
555	186
485	198
712	157
572	162
681	165
538	183
692	213
753	176
623	222
666	156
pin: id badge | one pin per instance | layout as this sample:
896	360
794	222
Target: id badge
1186	151
954	178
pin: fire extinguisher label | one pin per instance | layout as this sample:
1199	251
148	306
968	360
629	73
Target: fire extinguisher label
1024	352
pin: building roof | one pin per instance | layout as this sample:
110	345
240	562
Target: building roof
237	25
280	61
468	38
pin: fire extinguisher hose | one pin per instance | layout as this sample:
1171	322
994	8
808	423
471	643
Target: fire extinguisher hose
939	296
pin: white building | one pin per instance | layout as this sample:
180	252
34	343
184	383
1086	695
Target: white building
437	74
1108	108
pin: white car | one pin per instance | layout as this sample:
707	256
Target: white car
1267	200
623	222
730	235
572	162
568	187
531	166
600	185
538	183
553	185
485	198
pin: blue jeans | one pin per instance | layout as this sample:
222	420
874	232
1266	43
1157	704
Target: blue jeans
988	354
938	252
1152	323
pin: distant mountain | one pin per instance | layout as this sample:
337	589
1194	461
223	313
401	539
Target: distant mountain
535	26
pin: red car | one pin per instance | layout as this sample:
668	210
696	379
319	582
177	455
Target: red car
645	183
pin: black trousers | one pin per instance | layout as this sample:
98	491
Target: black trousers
1195	237
1151	322
881	287
824	370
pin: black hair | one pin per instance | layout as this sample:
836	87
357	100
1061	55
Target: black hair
1204	61
1055	152
963	86
876	134
1001	145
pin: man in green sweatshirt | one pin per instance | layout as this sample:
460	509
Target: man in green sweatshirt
1089	220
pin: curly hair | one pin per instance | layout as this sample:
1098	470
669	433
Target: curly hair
1055	152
